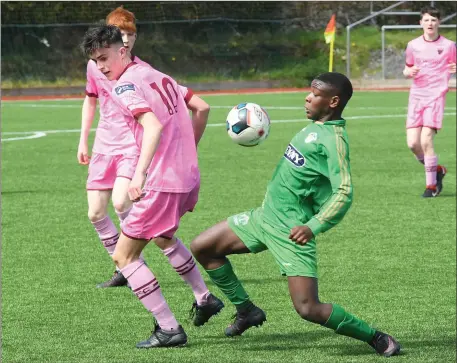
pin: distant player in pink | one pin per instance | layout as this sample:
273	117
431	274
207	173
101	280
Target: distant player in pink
430	61
166	180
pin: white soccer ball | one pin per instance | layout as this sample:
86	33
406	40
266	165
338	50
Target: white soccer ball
248	124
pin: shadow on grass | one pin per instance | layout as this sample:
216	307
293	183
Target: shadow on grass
12	192
271	342
310	339
253	281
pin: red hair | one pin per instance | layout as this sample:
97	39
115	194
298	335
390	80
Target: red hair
123	19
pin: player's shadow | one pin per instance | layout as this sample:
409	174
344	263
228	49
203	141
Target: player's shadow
12	192
272	342
446	341
253	281
446	195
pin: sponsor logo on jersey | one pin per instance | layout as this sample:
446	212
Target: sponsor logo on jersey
294	156
126	87
427	62
312	136
440	50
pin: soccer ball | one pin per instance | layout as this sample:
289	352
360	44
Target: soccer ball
248	124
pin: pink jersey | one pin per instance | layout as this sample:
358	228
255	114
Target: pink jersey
113	136
433	59
141	89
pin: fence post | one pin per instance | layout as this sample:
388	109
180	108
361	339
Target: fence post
383	56
348	52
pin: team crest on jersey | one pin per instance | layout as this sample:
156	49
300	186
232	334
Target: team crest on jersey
294	156
440	50
126	87
241	219
312	136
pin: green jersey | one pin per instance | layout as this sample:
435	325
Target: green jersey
312	183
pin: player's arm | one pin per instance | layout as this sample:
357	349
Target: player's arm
130	97
87	117
410	69
152	130
453	59
410	72
334	209
200	112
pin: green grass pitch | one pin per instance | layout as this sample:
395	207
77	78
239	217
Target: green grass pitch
391	261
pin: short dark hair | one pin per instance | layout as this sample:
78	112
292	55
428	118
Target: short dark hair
102	36
431	11
340	83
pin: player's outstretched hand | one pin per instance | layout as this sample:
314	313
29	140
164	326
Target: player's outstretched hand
301	234
452	67
136	187
83	154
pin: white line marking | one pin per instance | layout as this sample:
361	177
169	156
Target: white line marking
37	134
39	105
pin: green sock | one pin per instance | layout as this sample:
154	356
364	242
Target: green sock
347	324
225	279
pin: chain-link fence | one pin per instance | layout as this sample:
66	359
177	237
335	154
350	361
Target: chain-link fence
191	40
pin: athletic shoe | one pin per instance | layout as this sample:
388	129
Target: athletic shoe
440	174
164	338
245	320
430	192
202	313
385	345
115	281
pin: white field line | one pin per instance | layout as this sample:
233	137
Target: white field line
45	105
38	134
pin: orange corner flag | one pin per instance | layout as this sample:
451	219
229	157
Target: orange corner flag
329	33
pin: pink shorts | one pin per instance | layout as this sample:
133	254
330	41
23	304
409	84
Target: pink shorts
158	214
423	113
104	169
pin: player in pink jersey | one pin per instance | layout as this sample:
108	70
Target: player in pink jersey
430	61
166	180
114	151
114	161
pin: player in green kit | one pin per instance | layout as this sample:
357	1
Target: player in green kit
309	193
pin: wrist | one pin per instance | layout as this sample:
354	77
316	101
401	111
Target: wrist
315	226
140	173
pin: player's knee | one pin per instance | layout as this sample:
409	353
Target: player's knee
307	310
120	260
96	214
427	146
164	243
414	146
201	248
196	247
121	205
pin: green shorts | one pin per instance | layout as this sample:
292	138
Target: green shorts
293	259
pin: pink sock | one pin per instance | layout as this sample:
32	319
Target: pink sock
420	158
431	163
184	264
108	233
123	215
146	287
